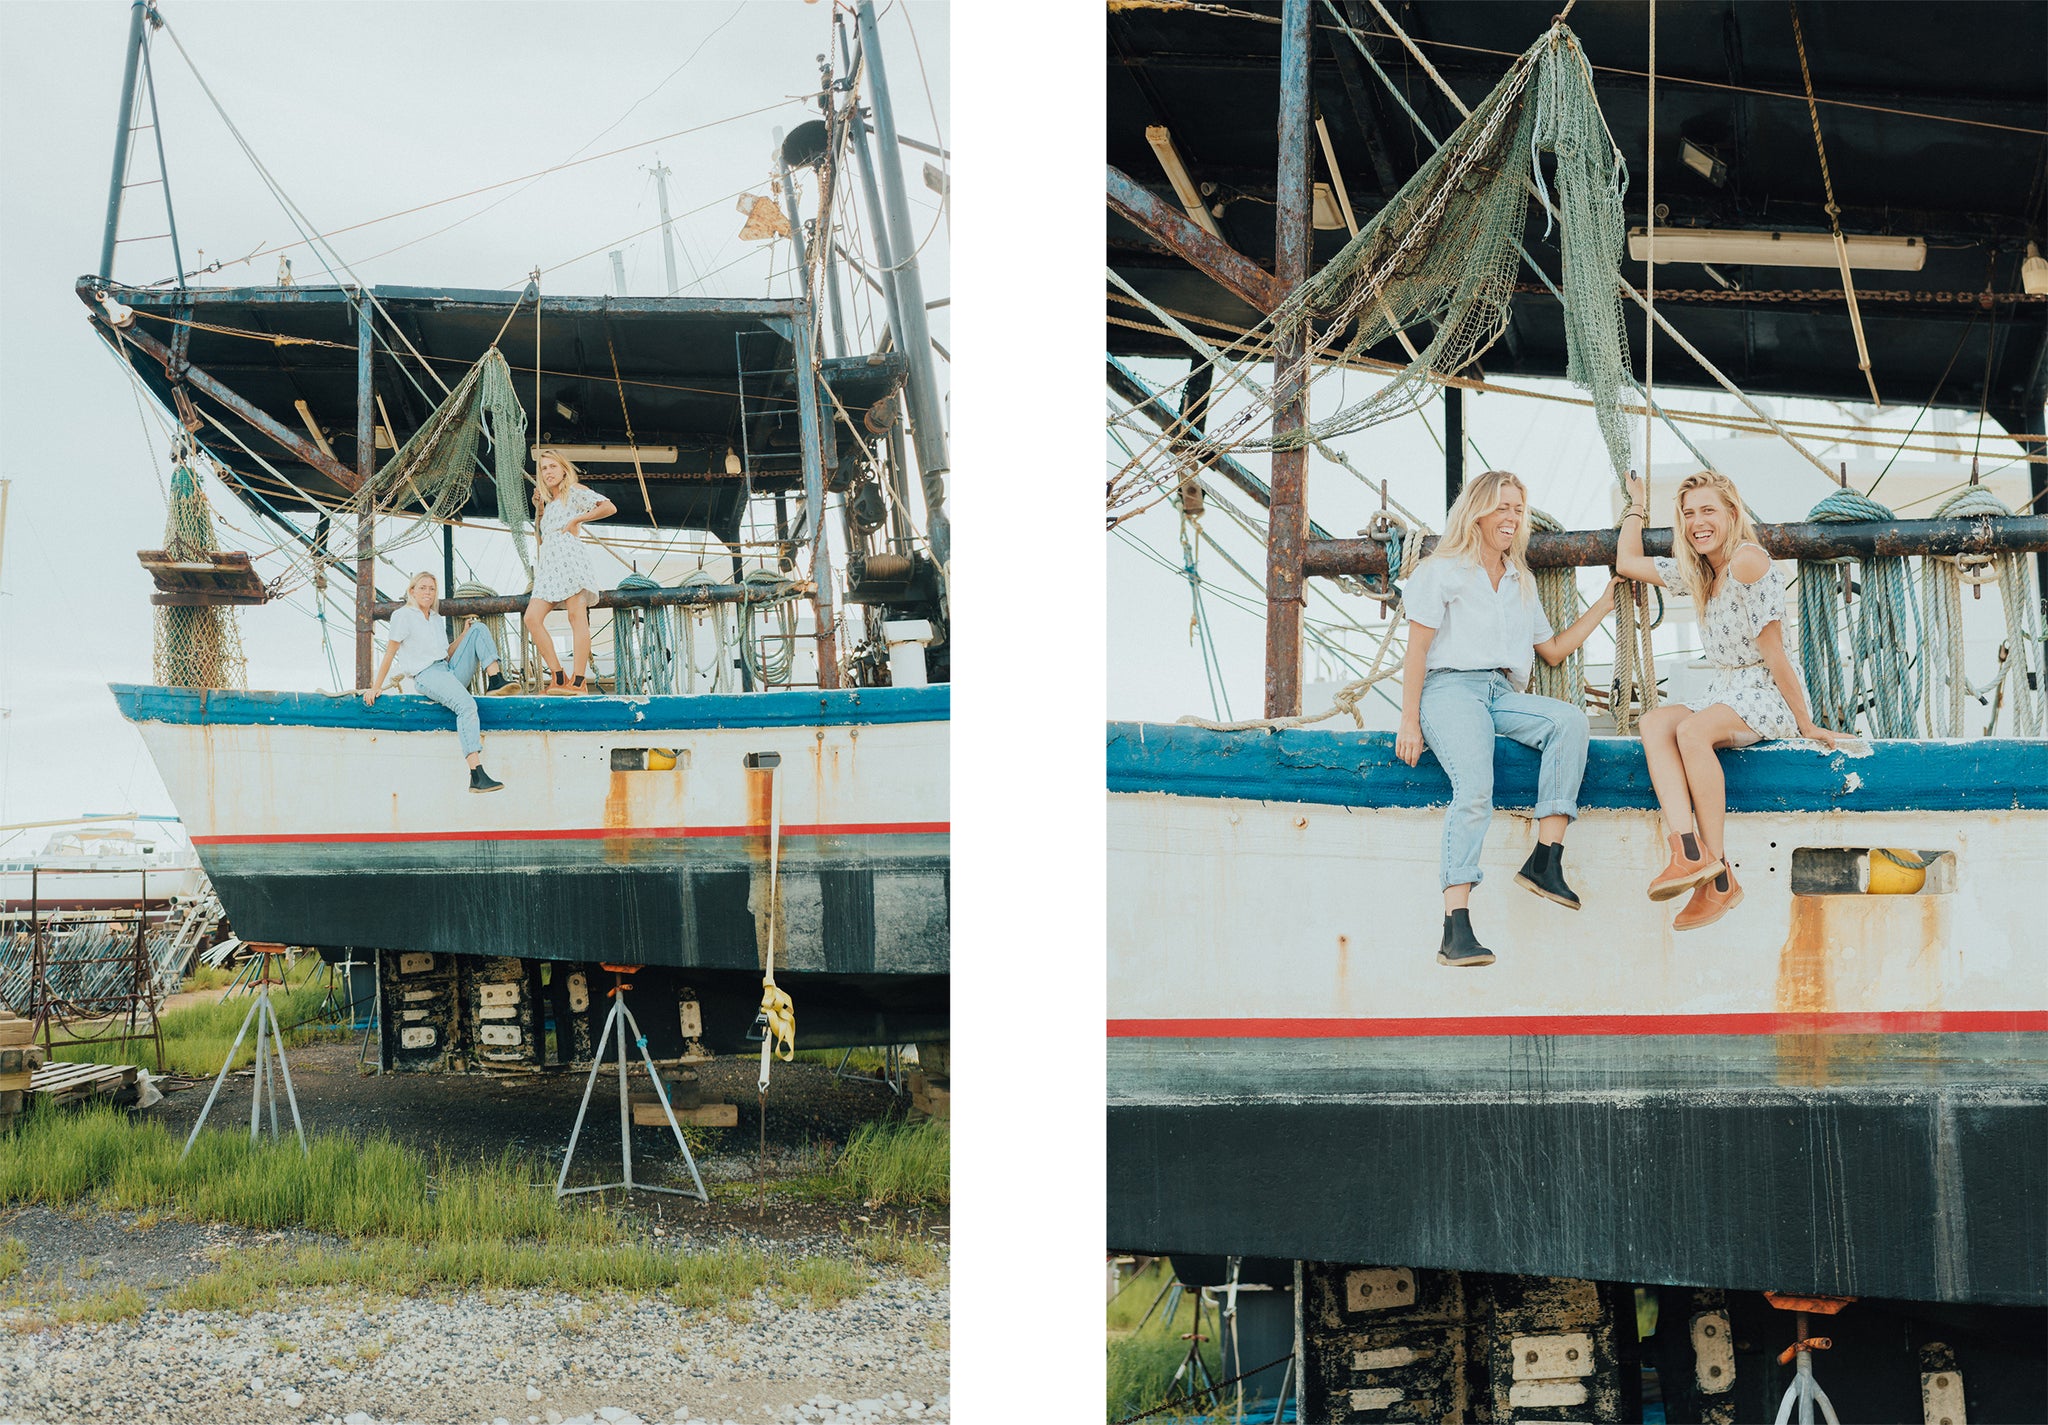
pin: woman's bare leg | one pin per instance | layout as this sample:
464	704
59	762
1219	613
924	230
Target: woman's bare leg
1659	728
1699	737
543	641
579	630
1457	897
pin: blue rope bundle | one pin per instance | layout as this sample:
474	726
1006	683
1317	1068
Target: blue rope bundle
643	644
1883	633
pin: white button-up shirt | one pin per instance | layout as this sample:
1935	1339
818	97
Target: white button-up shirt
1477	626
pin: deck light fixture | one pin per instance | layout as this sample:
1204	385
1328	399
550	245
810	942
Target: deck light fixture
732	461
1177	174
617	454
1778	249
1703	162
2034	272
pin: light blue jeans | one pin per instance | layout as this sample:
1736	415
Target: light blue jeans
447	683
1461	715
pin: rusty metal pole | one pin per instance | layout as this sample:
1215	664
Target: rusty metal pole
1454	444
1287	528
366	466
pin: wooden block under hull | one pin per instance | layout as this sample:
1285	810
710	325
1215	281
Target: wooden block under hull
647	1114
931	1097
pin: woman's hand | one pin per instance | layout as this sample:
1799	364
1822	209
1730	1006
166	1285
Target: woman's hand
1825	736
369	697
1408	741
1604	605
1637	495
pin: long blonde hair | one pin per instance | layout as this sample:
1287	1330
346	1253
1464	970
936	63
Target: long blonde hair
571	478
1698	572
1462	539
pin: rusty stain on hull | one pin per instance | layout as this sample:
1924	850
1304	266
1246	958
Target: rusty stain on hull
1862	940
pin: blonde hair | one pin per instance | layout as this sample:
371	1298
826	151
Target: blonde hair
1462	539
414	583
1698	571
571	477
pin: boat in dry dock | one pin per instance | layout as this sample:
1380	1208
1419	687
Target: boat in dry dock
759	775
1623	1171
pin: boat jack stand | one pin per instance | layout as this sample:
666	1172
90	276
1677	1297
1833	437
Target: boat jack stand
269	1042
1805	1391
621	1019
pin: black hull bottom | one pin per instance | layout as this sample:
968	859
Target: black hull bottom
1928	1195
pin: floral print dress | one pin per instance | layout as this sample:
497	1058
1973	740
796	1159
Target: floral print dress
563	568
1729	626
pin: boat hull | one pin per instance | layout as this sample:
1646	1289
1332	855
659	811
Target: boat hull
321	822
1826	1091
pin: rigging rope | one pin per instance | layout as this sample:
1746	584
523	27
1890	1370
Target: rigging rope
1877	678
2023	660
1558	591
643	644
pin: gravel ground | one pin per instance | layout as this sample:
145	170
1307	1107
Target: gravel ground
505	1356
520	1358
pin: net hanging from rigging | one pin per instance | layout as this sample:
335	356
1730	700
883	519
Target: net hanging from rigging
436	467
1445	251
195	647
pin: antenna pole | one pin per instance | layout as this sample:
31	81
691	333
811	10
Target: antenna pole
661	172
927	424
618	273
120	178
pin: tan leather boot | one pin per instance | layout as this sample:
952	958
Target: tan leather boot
1684	872
1709	903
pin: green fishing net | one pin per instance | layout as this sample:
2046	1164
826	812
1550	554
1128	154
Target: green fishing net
195	647
1443	254
430	475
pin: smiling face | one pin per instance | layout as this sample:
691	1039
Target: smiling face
1498	528
1705	521
423	592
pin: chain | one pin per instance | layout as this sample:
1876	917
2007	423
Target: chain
1923	298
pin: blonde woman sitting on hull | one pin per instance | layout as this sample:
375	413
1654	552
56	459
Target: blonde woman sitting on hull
1475	626
442	671
562	505
1752	695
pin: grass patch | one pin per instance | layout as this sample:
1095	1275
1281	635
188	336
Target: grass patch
898	1163
903	1251
372	1188
698	1280
13	1258
196	1038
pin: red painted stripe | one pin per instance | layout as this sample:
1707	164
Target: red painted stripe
1974	1021
586	833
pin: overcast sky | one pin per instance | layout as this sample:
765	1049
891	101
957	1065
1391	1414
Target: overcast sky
358	110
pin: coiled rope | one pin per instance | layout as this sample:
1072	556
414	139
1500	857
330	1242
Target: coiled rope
643	644
1558	591
1943	682
1877	678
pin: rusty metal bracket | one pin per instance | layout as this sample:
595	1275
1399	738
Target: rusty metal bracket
1212	257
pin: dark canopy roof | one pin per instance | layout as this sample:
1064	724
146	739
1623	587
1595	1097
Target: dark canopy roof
1974	192
682	364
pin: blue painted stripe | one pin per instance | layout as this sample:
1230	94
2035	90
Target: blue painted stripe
1359	769
411	713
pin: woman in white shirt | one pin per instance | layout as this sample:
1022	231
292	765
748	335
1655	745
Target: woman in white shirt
562	505
442	671
1474	626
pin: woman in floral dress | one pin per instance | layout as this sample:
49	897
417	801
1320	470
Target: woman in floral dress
1753	694
562	505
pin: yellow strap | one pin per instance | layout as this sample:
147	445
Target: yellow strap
780	1011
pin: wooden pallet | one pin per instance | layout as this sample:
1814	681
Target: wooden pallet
73	1083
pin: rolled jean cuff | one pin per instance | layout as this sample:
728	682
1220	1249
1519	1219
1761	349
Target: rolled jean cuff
1557	808
1462	876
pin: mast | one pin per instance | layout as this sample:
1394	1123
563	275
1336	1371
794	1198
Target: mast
136	13
907	288
661	172
812	439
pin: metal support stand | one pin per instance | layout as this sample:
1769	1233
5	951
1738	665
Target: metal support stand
621	1018
893	1074
1804	1390
269	1042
